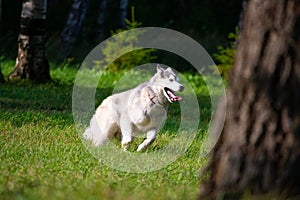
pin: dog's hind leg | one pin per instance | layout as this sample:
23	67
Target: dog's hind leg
102	127
151	135
94	133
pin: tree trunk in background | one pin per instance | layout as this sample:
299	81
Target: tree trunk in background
74	24
259	147
31	62
241	18
1	77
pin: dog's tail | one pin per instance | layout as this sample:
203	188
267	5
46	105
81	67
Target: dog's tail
94	133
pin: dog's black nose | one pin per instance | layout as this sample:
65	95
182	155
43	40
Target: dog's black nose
181	88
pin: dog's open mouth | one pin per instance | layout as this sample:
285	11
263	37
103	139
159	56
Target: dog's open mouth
171	95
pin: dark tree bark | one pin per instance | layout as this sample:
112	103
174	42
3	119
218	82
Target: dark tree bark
31	62
1	77
240	22
74	24
100	26
259	147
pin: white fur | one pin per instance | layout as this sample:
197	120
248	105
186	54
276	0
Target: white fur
142	109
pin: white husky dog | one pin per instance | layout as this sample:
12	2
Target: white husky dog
139	110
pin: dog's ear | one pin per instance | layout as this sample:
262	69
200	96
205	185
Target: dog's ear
159	69
169	69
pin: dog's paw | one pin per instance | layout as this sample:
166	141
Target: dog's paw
141	147
125	147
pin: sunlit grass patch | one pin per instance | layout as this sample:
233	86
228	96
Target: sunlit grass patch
42	155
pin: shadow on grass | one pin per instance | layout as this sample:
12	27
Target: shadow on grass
26	102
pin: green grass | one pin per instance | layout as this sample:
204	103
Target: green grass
43	157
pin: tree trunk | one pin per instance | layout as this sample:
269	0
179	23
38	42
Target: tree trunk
74	24
259	147
31	62
100	26
1	77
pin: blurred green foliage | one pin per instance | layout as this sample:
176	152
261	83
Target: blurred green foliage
115	47
225	55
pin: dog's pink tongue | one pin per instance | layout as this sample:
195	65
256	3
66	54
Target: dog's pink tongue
178	98
174	97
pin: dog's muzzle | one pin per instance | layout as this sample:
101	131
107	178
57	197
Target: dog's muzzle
171	95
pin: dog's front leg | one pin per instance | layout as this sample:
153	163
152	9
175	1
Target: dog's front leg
126	130
151	135
126	140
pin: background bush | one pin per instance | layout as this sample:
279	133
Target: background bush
225	55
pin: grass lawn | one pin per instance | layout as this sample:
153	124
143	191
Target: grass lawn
43	157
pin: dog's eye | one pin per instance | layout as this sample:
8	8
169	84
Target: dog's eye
171	79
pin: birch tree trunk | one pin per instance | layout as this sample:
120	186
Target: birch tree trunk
259	147
31	62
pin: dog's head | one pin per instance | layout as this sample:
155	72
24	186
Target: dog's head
169	82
